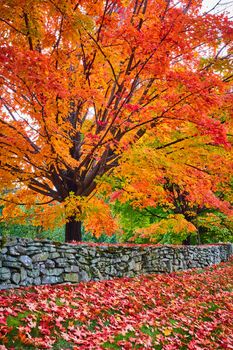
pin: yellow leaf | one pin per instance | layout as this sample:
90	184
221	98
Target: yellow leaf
167	331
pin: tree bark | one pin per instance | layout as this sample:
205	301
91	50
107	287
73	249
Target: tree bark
187	241
73	230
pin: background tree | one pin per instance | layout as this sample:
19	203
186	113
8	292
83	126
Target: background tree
82	81
184	194
159	225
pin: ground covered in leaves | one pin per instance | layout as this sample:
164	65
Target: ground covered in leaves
185	310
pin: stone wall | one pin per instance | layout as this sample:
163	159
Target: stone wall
26	262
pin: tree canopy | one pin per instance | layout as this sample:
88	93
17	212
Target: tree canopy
81	82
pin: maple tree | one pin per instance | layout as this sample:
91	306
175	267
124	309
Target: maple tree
82	81
178	189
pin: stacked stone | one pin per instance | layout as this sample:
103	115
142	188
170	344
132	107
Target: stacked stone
25	262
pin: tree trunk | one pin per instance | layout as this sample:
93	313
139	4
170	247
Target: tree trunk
198	236
187	241
73	230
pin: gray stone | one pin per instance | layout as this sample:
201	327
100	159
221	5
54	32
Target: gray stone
13	264
84	251
54	255
3	256
69	256
50	263
4	250
61	262
10	258
72	268
84	276
21	250
138	267
67	249
72	262
5	273
122	267
14	251
52	272
23	274
40	257
169	265
33	249
70	251
63	247
33	273
125	258
49	249
52	279
82	260
28	281
7	285
132	265
37	281
38	266
31	254
11	242
102	265
91	252
16	278
71	277
37	244
26	260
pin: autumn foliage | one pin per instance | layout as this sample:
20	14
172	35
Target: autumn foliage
81	82
187	310
189	180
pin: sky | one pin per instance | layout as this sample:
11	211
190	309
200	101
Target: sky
223	5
